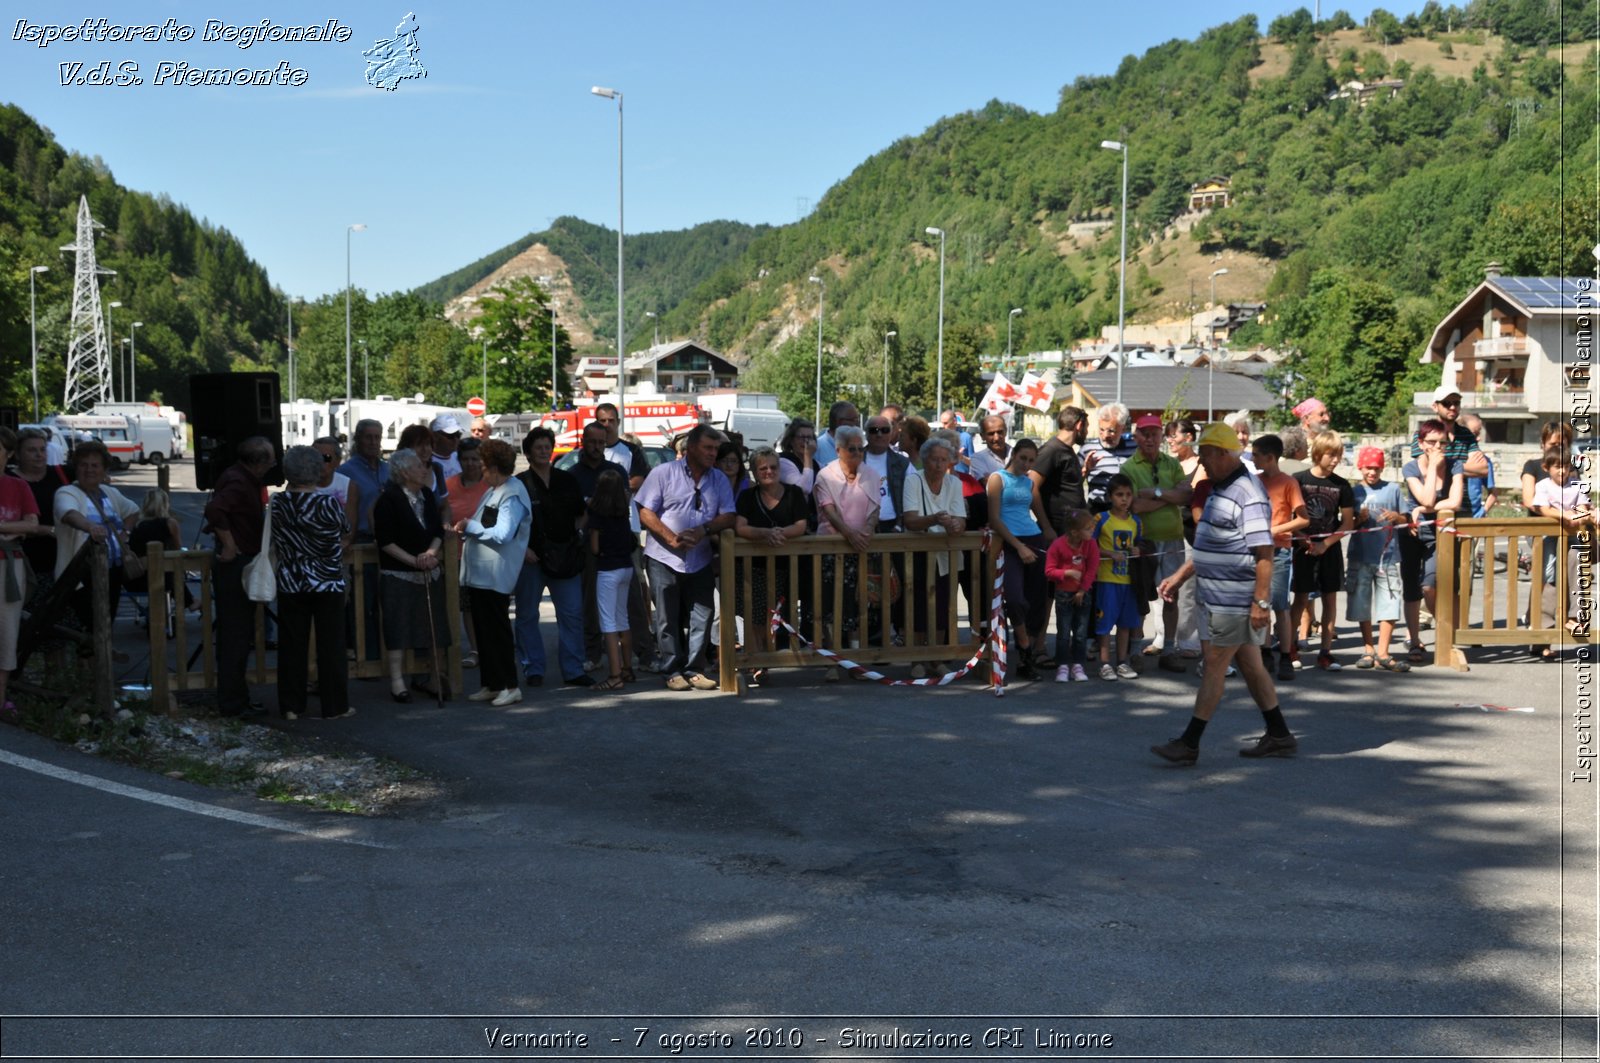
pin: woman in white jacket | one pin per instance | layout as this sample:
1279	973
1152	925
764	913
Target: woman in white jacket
92	510
494	542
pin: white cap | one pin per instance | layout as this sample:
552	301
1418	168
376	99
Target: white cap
447	424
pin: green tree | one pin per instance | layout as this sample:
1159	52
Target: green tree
516	317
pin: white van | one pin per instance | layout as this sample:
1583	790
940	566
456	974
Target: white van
154	434
759	428
114	432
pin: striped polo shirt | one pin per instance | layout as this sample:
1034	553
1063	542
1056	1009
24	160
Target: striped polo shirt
1236	517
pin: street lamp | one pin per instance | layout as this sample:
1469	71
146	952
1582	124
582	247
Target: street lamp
133	360
622	375
110	342
288	345
1211	359
366	371
1010	318
887	336
1122	276
544	282
822	294
33	333
938	393
358	227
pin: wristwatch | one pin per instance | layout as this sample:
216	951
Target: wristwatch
1264	603
1158	492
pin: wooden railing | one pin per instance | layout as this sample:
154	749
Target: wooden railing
822	613
1501	605
190	663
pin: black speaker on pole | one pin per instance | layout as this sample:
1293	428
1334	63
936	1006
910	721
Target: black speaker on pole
229	408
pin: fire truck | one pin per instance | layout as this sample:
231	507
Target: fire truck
654	423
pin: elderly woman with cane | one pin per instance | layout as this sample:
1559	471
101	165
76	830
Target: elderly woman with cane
410	537
308	533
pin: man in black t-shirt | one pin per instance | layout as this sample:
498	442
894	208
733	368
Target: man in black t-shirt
1059	472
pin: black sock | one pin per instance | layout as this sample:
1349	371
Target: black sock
1275	725
1191	734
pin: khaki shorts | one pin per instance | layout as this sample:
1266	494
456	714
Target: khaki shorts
1234	629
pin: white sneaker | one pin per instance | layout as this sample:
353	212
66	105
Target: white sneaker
1079	675
1125	671
507	697
1064	674
1108	673
484	695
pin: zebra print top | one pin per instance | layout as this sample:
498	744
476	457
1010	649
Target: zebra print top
308	531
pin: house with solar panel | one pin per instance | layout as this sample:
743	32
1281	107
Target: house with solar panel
1520	350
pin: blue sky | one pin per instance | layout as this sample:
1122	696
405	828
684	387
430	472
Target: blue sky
749	111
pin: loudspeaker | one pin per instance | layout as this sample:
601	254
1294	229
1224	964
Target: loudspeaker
226	409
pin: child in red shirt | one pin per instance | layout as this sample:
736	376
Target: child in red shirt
1070	565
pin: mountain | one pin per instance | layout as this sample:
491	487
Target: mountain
206	306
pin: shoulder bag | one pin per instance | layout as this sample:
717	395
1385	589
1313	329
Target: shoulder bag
261	574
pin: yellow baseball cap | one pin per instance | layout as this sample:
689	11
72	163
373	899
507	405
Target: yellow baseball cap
1220	436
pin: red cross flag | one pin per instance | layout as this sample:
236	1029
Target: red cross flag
992	403
1004	390
1036	393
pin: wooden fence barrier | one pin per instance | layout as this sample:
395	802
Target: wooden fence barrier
1460	541
182	665
754	576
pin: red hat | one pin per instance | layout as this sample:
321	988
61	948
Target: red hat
1149	420
1370	458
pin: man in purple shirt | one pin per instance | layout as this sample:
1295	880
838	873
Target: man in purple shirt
682	504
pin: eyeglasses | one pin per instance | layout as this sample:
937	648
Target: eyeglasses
697	496
1435	442
879	431
851	449
1448	402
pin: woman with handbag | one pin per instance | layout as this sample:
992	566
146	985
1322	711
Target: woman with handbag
494	542
308	533
554	559
410	537
92	510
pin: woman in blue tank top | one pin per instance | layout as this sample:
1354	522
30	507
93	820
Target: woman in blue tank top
1018	518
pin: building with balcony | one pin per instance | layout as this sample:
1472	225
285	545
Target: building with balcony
1520	350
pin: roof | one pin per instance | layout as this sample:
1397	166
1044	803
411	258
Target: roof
1529	296
1154	387
646	358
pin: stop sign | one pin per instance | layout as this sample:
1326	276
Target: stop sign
476	406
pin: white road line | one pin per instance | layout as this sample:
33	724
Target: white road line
248	819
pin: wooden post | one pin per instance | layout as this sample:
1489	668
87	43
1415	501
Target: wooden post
727	610
164	477
1447	555
103	680
156	570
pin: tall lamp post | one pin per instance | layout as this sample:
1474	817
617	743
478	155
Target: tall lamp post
133	360
655	363
366	371
112	343
288	347
33	333
1211	359
822	295
1009	319
938	392
555	359
358	227
887	336
622	371
1122	275
486	365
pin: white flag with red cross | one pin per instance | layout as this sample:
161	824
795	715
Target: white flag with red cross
1037	392
1005	390
993	404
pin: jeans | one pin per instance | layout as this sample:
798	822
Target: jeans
1072	629
683	602
567	597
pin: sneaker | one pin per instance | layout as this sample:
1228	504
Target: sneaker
1169	662
484	695
1326	662
1108	673
1285	667
1125	671
507	697
1294	660
470	661
1079	675
1064	674
1177	751
1272	746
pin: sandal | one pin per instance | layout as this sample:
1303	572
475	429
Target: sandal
1367	660
1417	655
1389	664
614	682
628	676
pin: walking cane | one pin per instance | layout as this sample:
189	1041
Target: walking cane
433	641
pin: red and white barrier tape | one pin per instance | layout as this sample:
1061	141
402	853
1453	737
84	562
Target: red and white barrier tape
997	644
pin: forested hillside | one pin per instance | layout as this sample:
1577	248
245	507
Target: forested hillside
1377	216
206	306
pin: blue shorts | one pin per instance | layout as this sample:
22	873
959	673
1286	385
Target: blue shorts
1373	592
1115	607
1282	568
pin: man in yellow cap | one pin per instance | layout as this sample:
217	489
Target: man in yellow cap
1232	566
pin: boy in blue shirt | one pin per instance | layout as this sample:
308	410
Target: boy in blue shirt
1372	579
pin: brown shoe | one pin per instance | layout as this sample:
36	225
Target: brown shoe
1169	662
1272	746
1177	751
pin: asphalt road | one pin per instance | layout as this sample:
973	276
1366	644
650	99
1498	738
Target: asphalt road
1420	880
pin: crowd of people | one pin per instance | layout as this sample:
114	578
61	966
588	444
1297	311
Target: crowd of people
1143	538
